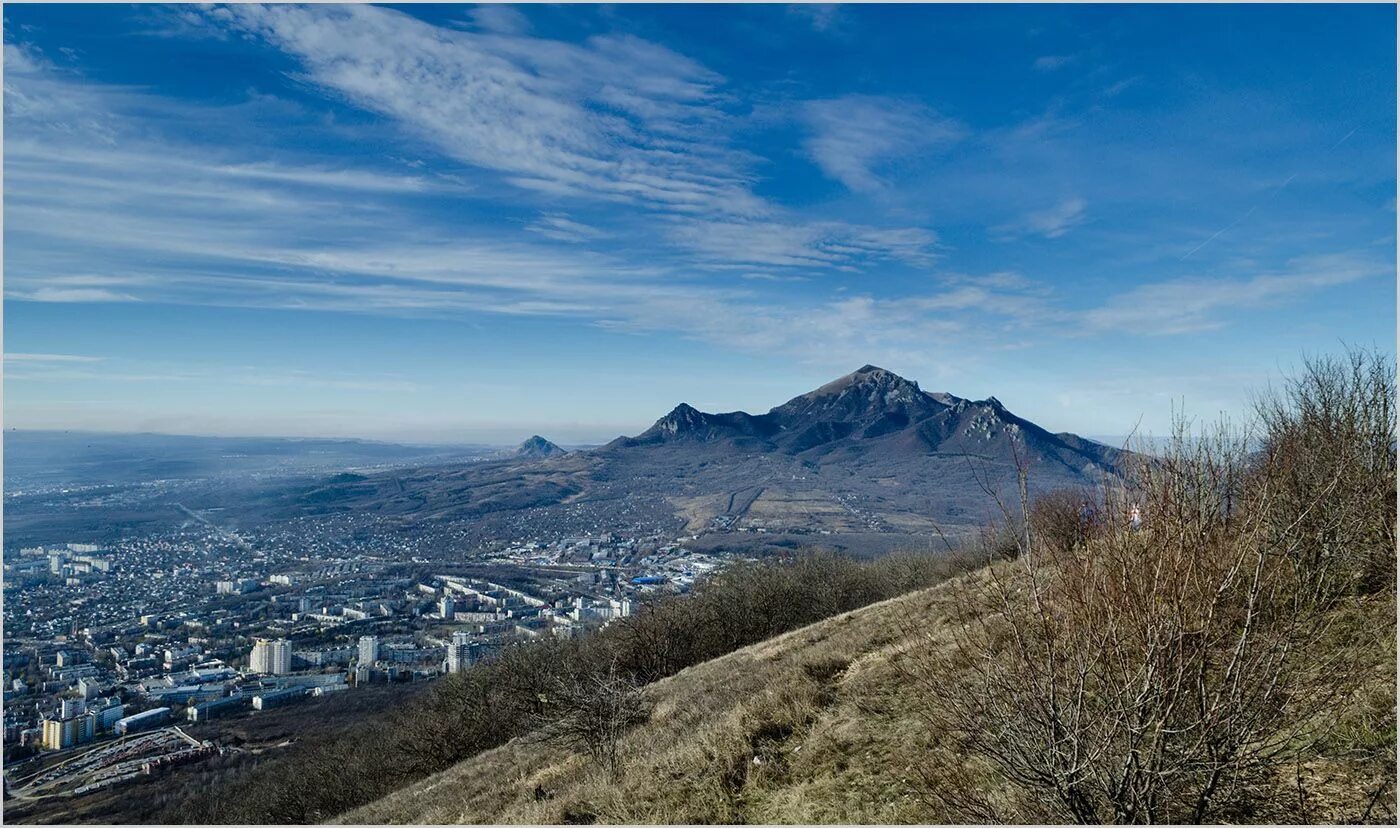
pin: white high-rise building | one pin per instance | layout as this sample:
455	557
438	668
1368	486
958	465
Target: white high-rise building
271	656
447	607
459	652
369	649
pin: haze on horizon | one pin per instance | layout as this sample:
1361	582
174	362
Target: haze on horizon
476	223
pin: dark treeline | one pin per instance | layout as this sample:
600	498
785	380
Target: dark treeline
510	695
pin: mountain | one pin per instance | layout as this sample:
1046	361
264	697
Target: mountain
869	398
875	410
538	446
685	424
866	461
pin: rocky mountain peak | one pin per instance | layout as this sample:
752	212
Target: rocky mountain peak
861	396
869	412
683	420
683	414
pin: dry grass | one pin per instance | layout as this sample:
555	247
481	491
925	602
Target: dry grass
806	727
815	726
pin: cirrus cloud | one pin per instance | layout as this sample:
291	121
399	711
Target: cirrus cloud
853	136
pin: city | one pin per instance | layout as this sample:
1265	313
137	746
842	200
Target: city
196	625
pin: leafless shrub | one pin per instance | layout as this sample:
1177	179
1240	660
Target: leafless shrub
1058	518
1331	441
591	712
1174	671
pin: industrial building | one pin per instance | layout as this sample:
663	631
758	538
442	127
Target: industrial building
273	698
142	721
205	711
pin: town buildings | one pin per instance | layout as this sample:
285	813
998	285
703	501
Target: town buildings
369	649
271	656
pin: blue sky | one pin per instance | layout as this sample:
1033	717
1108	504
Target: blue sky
476	223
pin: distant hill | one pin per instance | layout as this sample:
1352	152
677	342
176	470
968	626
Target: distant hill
538	446
868	453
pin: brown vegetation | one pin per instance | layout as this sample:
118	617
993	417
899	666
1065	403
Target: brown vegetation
592	712
1186	670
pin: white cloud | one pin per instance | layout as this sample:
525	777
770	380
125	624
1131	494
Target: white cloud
1118	87
1201	303
1057	220
50	358
764	276
822	17
563	228
348	179
499	18
92	179
1050	223
810	244
23	60
853	136
60	295
103	205
615	118
64	368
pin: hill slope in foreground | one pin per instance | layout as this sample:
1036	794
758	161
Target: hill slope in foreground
818	725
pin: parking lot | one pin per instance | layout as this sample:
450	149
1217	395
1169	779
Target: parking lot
111	763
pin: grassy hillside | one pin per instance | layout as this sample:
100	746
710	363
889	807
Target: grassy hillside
822	725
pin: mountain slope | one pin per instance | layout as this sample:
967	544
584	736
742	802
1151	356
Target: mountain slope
819	725
793	702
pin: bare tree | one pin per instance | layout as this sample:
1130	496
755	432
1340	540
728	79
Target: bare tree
1057	517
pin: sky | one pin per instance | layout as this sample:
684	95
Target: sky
474	223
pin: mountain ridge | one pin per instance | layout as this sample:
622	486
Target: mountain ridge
869	453
866	404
